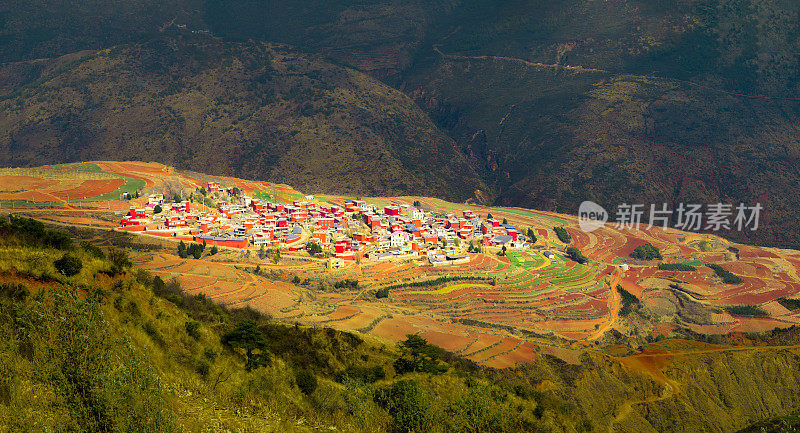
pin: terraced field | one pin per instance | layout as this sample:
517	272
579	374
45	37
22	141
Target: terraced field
499	311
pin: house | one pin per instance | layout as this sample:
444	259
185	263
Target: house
335	263
549	255
136	213
392	210
397	239
154	199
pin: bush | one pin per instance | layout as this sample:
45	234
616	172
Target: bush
157	209
313	248
563	234
629	301
407	404
214	250
683	267
646	252
306	381
92	250
361	374
576	255
727	276
382	293
68	265
746	310
119	261
14	291
193	329
419	356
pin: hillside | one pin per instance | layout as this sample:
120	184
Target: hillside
256	110
153	358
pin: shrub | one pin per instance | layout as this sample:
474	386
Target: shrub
629	301
382	293
407	404
313	248
120	261
727	276
157	209
646	252
576	255
683	267
747	310
14	291
419	356
361	374
214	250
306	381
68	265
193	329
203	367
93	250
563	234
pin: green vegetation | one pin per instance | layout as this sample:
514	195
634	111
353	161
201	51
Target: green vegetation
629	301
563	234
157	209
194	250
346	284
682	267
727	276
68	265
790	303
440	280
419	356
531	235
646	252
747	310
313	248
576	255
138	354
382	293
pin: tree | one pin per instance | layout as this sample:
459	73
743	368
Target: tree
563	234
417	204
277	257
177	198
214	250
418	356
646	252
195	250
262	252
505	221
157	209
235	191
246	336
576	255
119	260
182	250
489	216
313	248
531	235
502	251
68	265
203	191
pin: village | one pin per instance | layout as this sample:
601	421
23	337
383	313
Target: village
356	231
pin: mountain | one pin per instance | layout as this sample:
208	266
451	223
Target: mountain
544	103
249	108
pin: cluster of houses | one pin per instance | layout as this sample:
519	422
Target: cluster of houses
350	232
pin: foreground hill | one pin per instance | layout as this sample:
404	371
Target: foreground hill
105	346
256	110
